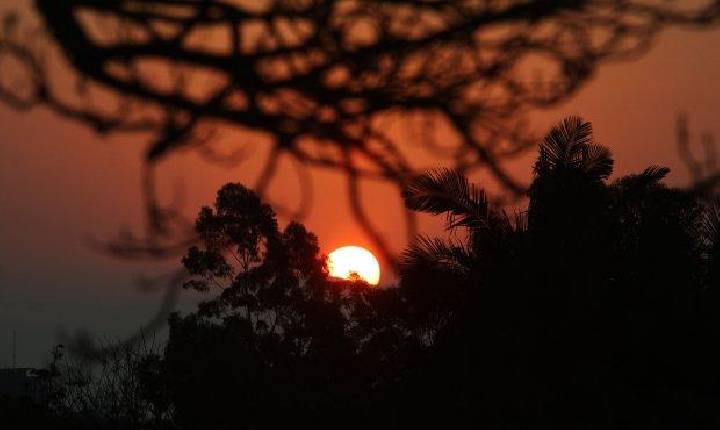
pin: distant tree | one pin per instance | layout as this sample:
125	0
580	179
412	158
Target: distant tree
122	389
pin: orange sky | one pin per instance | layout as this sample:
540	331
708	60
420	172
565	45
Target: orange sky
60	184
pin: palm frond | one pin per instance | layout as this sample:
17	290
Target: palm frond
649	178
597	161
426	252
447	191
569	145
561	145
655	174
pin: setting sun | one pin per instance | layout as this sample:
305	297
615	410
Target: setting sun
349	261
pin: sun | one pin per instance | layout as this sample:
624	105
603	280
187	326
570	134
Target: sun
348	262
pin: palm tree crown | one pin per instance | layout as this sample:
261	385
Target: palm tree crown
569	146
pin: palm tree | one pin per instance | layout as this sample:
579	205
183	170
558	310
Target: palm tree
608	289
486	243
569	180
567	157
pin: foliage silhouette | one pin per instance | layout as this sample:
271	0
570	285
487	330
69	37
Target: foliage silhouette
281	342
320	83
597	308
122	389
596	312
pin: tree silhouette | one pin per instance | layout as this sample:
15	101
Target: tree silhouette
281	342
598	312
320	83
596	308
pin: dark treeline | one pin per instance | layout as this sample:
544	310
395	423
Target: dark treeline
597	307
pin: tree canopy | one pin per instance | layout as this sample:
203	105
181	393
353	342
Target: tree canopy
597	307
281	341
320	84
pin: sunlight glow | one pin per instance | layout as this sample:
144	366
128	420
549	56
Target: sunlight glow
349	261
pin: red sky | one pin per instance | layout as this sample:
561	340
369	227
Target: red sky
60	184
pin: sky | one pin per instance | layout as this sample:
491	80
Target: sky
62	185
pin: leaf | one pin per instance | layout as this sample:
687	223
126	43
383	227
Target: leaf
559	148
597	162
654	174
425	252
649	178
447	191
569	145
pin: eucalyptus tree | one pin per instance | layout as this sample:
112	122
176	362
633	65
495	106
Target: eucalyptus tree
277	341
